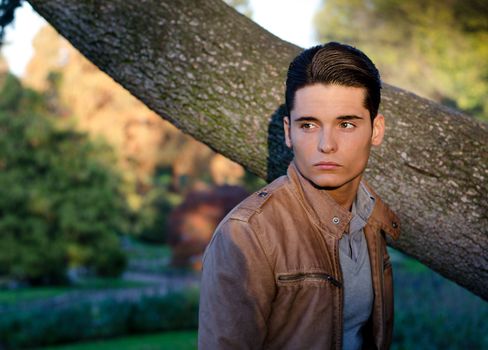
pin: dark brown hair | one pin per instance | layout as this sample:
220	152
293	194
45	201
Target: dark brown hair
334	63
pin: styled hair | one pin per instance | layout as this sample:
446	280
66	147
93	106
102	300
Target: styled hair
334	63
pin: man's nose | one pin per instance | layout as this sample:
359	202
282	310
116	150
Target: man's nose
327	142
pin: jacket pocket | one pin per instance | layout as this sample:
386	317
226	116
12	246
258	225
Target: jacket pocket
308	276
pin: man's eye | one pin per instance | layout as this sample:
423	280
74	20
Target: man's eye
307	126
347	125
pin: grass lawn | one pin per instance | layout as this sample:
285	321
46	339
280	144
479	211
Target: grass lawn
26	294
184	340
13	296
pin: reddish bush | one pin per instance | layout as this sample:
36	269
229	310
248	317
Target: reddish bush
192	223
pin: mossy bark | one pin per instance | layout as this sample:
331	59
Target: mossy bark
219	77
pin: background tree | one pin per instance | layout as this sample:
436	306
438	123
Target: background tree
437	49
60	202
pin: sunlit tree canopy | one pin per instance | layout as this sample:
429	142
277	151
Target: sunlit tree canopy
437	49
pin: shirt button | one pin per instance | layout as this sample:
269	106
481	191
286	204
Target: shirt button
335	220
263	193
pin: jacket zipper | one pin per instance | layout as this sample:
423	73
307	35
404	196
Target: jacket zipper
338	333
313	275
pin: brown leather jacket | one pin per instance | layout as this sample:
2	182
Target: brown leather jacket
271	274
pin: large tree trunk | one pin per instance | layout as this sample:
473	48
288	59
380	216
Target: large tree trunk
220	77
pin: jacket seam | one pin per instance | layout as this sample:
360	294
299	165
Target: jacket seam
263	248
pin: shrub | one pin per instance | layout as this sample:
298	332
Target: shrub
86	316
175	311
60	202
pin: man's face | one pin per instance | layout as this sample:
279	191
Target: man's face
330	132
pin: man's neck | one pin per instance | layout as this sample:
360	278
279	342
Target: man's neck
345	195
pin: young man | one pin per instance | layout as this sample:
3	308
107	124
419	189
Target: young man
302	264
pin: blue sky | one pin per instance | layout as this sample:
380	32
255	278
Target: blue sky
291	20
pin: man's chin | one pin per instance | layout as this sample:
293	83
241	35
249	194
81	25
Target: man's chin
325	184
331	183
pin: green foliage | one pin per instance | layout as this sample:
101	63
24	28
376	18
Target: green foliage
60	201
176	311
11	93
437	49
152	217
150	210
82	317
137	250
77	320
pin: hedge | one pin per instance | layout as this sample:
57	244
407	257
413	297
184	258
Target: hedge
84	316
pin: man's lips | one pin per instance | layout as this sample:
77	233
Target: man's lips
326	165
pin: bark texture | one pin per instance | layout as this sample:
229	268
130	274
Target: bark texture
219	77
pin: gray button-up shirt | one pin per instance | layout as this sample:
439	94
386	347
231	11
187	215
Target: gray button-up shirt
356	271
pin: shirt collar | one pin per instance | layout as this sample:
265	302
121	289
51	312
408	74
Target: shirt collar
362	208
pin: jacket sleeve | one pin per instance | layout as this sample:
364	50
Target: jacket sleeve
237	289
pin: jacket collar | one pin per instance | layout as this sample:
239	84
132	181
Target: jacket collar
319	205
330	216
384	216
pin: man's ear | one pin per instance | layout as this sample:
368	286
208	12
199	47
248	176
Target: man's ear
286	127
378	130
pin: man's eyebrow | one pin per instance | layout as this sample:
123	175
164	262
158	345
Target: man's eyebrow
349	117
306	119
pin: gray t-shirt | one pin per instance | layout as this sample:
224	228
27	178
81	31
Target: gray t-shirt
356	271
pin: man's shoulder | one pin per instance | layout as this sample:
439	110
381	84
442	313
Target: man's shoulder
239	224
265	197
